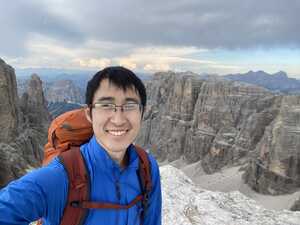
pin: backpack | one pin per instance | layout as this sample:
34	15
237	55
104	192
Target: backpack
66	134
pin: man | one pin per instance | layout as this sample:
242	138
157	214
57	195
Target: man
116	100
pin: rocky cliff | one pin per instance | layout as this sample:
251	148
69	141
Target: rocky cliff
23	125
219	123
193	118
33	103
64	91
9	117
274	166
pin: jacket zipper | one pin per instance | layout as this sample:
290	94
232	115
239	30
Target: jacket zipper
119	198
118	191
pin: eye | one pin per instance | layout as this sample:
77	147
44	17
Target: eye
130	106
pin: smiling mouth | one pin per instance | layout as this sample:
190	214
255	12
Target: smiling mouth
117	132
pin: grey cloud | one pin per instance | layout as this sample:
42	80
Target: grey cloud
19	19
201	23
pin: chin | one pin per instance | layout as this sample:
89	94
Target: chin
117	147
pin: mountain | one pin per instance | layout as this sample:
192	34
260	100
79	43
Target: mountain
79	77
52	74
186	204
61	85
23	124
196	111
33	103
64	91
278	82
54	79
274	165
220	124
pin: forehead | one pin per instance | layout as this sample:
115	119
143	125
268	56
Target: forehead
108	89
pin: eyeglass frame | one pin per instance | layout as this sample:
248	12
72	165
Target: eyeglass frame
140	106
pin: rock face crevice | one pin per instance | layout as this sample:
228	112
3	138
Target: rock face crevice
24	124
172	102
9	117
274	167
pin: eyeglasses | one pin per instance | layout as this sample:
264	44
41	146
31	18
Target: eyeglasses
111	107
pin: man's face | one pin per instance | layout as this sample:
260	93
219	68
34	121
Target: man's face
115	130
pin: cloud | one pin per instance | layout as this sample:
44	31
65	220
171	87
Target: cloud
202	24
145	35
51	53
153	59
93	63
20	19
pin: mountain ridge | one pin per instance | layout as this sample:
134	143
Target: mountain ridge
277	82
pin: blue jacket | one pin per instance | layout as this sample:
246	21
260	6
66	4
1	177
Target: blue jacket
44	192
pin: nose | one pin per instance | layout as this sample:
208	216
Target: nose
118	117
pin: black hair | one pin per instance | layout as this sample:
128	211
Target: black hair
119	76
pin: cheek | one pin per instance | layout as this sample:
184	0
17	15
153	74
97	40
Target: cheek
136	123
98	121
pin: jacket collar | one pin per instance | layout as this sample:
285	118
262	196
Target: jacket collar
102	159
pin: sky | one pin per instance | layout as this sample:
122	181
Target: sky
202	36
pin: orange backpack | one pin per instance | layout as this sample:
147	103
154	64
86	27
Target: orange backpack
66	133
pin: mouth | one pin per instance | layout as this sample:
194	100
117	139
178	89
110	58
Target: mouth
117	132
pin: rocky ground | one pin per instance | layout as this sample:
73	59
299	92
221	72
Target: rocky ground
230	179
187	204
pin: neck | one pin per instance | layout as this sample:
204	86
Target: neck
120	159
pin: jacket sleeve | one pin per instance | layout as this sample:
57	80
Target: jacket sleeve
33	196
153	213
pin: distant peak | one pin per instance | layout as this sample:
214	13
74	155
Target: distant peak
259	72
281	74
250	72
35	76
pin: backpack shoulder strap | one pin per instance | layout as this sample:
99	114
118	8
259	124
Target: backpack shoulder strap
145	177
79	186
78	202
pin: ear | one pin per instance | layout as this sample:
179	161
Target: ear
88	114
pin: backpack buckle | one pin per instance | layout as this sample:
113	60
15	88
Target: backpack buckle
76	204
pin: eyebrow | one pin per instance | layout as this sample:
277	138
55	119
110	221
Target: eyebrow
102	99
112	99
